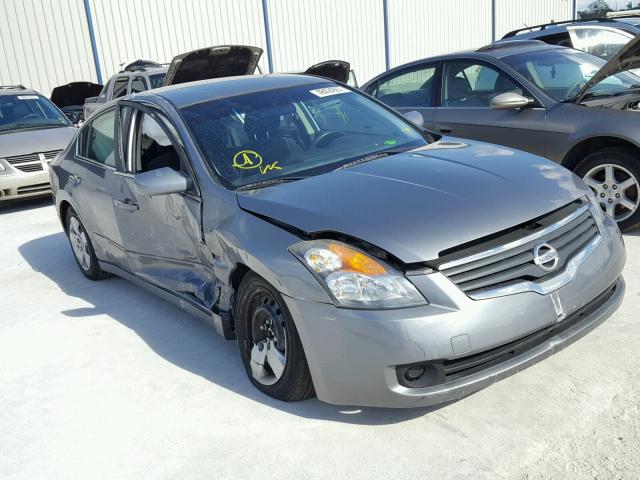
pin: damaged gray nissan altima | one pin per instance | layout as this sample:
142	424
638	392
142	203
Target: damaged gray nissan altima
352	254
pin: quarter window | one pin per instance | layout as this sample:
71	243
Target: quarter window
97	141
469	84
412	88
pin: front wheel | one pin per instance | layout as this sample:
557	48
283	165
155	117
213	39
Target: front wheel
612	174
269	344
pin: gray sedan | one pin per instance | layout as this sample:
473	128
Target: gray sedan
352	254
564	104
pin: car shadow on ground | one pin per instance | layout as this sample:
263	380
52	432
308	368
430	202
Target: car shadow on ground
179	338
21	205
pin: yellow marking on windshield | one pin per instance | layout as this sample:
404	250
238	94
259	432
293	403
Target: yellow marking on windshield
249	159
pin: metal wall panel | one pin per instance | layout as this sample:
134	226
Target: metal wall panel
305	32
423	28
160	29
512	14
44	43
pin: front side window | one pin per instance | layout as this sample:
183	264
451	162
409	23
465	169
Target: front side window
470	84
296	131
29	111
120	87
561	74
598	41
154	149
97	140
413	88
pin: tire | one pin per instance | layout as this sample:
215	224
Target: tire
613	174
258	304
79	240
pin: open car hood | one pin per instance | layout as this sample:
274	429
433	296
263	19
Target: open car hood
213	62
74	93
627	58
332	69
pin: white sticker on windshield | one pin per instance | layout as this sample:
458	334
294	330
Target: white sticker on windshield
27	97
328	91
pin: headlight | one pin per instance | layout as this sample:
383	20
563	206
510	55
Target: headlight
355	279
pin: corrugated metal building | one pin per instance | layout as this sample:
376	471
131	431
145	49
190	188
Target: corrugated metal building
44	43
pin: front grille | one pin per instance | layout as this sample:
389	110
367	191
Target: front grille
508	258
31	162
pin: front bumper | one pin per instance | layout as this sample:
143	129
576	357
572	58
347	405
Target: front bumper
353	355
17	184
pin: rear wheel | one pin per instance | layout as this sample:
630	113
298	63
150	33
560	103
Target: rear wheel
269	344
82	248
613	174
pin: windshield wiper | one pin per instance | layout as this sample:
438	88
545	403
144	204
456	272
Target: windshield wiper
369	158
268	183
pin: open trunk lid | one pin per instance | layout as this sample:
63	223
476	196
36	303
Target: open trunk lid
213	62
338	70
74	93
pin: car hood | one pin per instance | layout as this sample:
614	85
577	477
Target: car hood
627	58
416	204
332	69
22	142
213	62
74	93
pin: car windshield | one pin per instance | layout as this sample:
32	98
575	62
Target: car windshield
23	111
561	74
295	132
156	80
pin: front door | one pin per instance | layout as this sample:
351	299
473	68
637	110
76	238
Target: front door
465	108
161	234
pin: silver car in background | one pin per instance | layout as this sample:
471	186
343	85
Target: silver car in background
351	254
33	131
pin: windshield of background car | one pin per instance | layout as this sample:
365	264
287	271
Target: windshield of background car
28	110
156	80
561	74
294	132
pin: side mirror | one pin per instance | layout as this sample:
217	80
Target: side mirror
510	101
415	117
161	181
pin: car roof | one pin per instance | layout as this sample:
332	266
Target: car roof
16	90
142	71
550	29
196	92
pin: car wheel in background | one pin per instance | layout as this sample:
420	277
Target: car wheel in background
269	344
613	174
82	248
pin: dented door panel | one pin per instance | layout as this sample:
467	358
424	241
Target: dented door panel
163	241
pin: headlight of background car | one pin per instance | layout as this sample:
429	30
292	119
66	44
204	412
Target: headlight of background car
355	279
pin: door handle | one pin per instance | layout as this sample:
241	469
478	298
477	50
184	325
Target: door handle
74	179
445	129
127	205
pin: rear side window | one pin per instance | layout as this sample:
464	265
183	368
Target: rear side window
97	141
157	80
413	88
120	87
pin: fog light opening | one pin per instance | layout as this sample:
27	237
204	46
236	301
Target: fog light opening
414	373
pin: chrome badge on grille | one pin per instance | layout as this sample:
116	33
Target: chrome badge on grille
546	257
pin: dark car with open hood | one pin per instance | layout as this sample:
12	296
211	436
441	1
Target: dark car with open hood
352	254
564	104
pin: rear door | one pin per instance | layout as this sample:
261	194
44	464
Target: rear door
161	234
410	89
91	177
465	107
